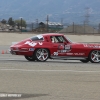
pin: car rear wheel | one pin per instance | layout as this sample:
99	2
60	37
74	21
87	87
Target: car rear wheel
41	54
30	58
95	56
85	61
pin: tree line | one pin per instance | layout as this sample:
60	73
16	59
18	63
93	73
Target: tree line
12	22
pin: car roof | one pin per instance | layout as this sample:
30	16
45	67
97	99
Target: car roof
52	34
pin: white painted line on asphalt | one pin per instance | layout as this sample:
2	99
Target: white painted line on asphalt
11	59
26	70
7	59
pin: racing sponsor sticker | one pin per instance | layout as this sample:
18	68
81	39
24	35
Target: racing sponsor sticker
39	36
91	45
31	43
75	54
55	53
31	49
62	51
61	47
69	53
67	47
79	54
64	48
40	43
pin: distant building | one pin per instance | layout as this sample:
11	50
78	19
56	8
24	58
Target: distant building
7	27
50	26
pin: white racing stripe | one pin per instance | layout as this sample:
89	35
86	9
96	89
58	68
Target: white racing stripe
26	70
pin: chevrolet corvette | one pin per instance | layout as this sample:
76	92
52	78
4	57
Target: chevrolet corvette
55	46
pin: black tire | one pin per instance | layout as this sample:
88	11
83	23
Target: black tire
94	56
41	54
85	61
30	58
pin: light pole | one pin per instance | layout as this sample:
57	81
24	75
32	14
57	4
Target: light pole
32	26
21	23
47	22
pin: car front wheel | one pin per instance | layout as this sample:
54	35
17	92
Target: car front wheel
95	56
41	54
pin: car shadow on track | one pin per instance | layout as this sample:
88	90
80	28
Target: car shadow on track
13	96
48	61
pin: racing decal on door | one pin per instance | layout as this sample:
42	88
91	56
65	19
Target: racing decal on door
61	47
64	48
67	47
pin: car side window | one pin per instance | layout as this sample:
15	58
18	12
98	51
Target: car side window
54	39
61	39
57	39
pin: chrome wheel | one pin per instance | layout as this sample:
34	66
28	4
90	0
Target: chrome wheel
42	54
95	56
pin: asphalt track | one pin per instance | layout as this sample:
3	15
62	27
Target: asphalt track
51	80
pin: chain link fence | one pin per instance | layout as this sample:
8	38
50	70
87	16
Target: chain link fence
81	28
72	28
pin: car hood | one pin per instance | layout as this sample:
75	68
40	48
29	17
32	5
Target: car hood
87	45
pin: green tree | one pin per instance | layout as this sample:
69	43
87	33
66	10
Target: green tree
11	21
4	21
20	22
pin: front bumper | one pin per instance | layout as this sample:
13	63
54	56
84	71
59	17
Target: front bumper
12	52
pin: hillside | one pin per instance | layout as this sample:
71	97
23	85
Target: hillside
69	10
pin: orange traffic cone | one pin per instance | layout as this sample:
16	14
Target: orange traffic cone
2	52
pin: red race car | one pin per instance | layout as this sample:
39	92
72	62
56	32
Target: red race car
56	46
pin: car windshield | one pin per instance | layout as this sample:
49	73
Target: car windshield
68	39
37	37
